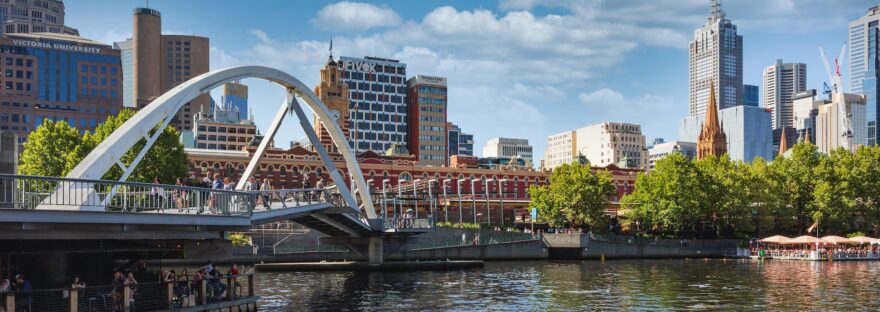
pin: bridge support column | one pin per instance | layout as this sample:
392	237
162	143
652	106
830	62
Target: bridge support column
376	252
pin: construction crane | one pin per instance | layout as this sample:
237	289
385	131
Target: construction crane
837	87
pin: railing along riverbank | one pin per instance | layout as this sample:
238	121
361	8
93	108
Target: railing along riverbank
238	292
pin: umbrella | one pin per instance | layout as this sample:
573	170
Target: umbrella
864	240
775	239
832	239
806	239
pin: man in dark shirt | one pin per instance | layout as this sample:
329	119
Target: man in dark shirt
23	298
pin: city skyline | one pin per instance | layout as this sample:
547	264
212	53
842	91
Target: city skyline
556	75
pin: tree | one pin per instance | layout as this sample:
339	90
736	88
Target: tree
44	151
576	196
833	197
165	160
794	183
666	199
865	173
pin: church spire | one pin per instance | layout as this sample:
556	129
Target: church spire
712	140
783	143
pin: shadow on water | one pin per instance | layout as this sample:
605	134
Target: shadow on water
585	285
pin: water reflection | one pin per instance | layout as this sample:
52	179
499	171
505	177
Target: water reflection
585	285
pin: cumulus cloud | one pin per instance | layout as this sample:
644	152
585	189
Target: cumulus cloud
354	16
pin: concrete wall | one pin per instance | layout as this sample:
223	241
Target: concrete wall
632	247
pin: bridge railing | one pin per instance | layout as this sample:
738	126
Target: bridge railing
50	193
397	224
288	198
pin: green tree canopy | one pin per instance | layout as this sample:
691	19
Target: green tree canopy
576	196
44	151
165	160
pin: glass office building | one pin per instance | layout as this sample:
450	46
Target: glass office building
378	113
57	77
863	66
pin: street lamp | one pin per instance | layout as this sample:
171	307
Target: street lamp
446	200
488	211
458	189
501	183
430	199
384	198
415	197
474	199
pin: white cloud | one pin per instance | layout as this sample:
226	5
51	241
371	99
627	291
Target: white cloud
354	16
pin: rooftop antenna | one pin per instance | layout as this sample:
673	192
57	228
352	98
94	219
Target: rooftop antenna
716	12
331	47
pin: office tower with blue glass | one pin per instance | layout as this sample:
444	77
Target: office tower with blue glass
863	44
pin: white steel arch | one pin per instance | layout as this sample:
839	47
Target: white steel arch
163	109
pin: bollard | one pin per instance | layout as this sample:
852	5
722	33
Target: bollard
10	302
126	298
73	300
169	291
203	292
230	288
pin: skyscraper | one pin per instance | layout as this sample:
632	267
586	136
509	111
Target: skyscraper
781	82
864	66
235	97
751	95
161	62
378	110
715	56
126	55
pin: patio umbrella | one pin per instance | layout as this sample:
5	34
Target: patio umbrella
864	240
775	239
832	239
806	239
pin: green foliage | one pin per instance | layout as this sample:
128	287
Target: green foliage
854	234
240	239
456	225
165	160
715	195
575	196
44	151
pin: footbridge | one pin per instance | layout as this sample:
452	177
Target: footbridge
85	205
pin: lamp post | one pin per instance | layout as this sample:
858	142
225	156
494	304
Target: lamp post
486	190
369	187
416	197
458	189
474	199
399	195
446	200
431	199
384	198
501	184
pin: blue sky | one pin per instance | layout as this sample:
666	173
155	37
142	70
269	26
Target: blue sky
516	68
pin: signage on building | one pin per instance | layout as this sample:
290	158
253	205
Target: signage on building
358	66
56	46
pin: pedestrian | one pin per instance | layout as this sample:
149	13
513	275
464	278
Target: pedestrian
23	296
266	187
158	194
319	193
464	238
5	286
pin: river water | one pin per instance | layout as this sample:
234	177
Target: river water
718	285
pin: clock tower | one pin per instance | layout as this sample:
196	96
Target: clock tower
334	93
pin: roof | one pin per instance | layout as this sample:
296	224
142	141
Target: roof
55	36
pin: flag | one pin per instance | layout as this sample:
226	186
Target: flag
813	227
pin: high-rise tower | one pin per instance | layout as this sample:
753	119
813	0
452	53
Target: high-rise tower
864	66
715	58
781	82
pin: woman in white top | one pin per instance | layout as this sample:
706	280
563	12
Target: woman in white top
267	198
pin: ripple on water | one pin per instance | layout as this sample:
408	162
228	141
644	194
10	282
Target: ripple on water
569	285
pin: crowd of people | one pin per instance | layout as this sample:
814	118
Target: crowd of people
218	202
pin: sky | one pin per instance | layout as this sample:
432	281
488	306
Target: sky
515	68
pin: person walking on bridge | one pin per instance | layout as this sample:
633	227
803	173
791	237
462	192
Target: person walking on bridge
266	187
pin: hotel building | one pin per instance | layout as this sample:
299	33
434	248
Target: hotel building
57	77
427	119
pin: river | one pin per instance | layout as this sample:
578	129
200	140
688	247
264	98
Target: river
718	285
